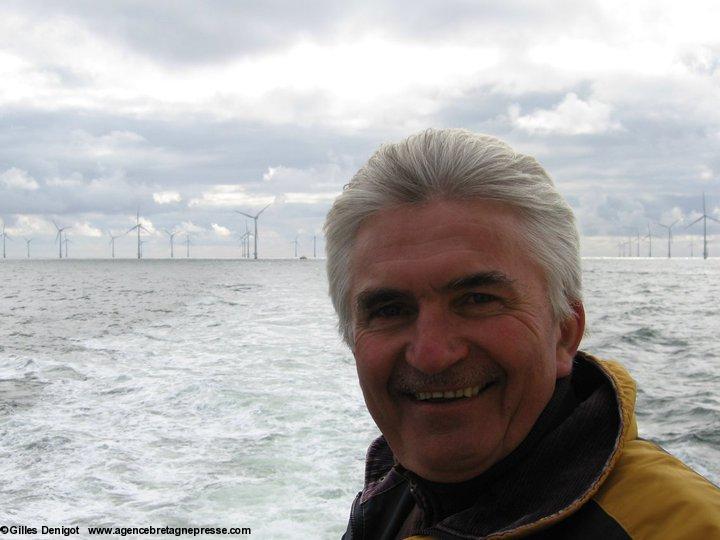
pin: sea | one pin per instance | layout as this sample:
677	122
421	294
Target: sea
217	393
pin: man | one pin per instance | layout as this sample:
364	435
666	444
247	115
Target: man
454	269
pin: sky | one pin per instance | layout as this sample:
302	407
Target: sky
187	112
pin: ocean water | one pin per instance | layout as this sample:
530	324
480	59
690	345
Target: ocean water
218	394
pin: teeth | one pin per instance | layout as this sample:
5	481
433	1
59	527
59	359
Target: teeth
470	391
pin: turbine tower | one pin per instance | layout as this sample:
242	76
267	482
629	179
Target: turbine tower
67	240
669	229
138	226
245	243
112	241
58	238
314	247
187	245
245	239
649	237
704	217
255	219
172	236
296	245
5	236
27	245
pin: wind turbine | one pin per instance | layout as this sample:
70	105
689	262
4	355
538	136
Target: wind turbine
58	238
669	229
187	245
245	238
67	240
704	217
255	219
172	236
296	245
5	236
630	245
112	241
138	226
649	237
245	243
27	245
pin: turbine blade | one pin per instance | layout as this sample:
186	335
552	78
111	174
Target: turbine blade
261	211
244	214
694	222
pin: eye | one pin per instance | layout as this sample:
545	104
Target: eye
480	298
388	311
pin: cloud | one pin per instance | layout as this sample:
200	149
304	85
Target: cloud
706	173
572	116
85	229
229	196
221	231
107	144
29	225
674	214
166	197
15	178
190	227
74	180
310	198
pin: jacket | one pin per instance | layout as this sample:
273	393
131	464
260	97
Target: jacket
581	473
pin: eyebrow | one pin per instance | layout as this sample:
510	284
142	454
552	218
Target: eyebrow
479	279
367	299
370	298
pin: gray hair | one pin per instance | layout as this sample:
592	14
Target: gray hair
457	164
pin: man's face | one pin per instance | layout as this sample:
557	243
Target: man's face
447	301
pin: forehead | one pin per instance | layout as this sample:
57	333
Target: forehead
440	239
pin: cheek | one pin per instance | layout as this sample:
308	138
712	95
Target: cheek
373	362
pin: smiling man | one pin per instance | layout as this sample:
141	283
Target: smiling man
454	268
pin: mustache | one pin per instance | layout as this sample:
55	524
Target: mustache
406	379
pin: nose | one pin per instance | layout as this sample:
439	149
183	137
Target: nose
435	343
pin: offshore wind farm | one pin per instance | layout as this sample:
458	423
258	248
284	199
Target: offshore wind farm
246	241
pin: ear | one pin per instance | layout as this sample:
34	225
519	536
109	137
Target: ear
571	332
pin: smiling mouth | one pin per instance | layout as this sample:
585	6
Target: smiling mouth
451	395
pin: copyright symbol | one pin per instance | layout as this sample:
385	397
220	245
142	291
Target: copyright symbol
4	529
